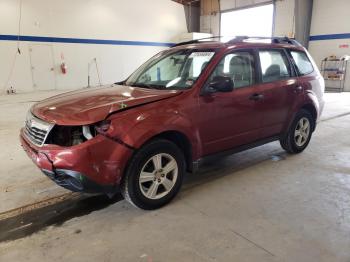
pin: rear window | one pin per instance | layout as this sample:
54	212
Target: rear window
302	62
274	65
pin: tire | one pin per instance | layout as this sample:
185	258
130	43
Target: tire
154	175
295	142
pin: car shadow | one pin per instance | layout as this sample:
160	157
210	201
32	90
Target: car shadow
230	165
35	220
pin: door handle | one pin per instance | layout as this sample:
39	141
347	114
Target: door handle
256	97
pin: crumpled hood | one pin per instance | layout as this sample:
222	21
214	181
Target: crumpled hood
91	105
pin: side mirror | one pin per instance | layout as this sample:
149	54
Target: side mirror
220	84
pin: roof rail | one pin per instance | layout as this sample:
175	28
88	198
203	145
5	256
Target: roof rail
240	39
275	40
196	41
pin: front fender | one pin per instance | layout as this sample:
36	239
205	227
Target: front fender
136	128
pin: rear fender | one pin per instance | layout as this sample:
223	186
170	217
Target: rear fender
310	100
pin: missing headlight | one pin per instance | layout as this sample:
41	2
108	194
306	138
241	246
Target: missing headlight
70	135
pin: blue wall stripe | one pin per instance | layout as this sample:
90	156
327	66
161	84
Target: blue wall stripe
46	39
81	41
329	37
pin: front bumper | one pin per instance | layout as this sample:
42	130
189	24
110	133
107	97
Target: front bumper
94	166
77	182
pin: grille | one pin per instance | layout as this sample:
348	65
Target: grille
37	130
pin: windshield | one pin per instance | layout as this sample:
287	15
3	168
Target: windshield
174	71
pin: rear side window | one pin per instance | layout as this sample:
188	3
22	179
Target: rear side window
302	62
274	65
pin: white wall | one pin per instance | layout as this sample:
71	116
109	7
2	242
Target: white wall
210	24
330	18
132	20
284	18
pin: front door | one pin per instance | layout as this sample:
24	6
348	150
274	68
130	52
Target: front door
232	119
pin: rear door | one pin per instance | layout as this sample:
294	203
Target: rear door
227	120
280	89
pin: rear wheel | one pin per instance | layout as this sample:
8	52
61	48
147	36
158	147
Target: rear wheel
154	175
299	134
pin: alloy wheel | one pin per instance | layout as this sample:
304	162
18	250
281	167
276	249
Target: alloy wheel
158	176
302	132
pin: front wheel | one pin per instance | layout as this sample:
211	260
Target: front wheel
154	175
299	133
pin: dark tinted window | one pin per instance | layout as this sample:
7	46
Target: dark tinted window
274	65
239	66
302	62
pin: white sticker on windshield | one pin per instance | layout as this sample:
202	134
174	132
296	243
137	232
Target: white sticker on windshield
202	54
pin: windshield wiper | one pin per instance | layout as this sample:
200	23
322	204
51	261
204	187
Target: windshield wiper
148	86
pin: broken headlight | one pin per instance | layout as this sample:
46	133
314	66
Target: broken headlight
75	135
67	135
103	126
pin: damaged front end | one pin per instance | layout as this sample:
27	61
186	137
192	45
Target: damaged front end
78	158
70	138
74	135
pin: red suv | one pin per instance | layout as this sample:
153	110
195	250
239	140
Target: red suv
185	105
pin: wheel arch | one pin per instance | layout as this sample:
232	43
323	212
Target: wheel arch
312	110
179	139
309	106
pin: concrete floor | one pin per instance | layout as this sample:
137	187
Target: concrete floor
259	205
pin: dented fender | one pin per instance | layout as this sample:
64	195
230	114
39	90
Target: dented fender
135	128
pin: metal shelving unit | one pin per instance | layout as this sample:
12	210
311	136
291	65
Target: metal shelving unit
334	73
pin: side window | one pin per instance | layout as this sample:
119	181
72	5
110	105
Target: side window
274	65
302	62
239	66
